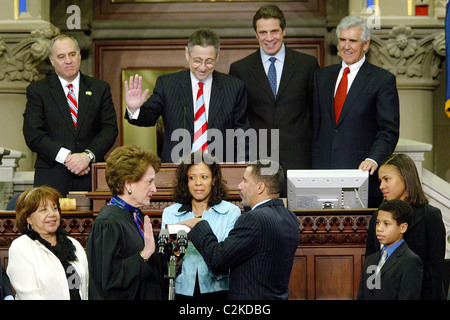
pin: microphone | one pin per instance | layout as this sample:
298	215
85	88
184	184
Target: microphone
163	239
182	241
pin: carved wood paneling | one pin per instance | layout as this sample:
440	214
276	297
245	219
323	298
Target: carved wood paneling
107	10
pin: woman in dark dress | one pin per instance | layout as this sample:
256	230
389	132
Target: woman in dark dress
426	233
121	245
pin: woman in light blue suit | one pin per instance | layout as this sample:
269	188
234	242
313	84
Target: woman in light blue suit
200	192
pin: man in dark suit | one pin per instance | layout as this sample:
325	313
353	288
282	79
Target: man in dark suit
362	129
67	143
259	251
395	272
289	108
175	96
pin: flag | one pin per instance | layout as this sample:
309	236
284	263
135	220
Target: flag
447	53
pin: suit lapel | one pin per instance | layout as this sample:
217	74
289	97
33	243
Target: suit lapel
84	100
216	99
359	83
288	71
187	100
57	93
393	258
330	84
260	76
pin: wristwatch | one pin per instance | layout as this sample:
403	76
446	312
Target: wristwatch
90	155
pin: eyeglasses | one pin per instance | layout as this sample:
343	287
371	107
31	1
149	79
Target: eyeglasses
197	62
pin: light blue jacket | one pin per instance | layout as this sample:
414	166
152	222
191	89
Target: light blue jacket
221	218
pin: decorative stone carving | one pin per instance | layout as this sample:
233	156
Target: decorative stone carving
19	62
401	42
406	56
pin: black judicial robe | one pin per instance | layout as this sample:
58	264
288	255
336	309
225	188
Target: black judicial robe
116	269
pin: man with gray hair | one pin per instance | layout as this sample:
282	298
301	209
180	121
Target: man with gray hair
200	102
356	109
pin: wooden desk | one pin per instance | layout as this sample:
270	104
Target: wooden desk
165	181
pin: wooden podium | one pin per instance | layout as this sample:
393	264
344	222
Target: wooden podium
164	180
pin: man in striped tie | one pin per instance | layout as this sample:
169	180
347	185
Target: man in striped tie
69	121
201	103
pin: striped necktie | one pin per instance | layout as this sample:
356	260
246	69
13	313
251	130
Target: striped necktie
72	100
200	123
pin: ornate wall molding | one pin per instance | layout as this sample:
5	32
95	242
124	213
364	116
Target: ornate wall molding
408	56
19	61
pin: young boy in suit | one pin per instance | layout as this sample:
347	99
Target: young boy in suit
394	272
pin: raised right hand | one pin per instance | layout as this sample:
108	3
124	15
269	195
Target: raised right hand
134	97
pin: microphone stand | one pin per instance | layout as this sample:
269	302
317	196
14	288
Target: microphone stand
172	275
172	265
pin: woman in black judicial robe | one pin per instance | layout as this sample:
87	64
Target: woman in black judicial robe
123	264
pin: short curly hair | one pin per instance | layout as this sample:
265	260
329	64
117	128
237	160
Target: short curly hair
30	200
128	163
219	189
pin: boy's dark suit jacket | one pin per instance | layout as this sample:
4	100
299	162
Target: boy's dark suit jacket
290	111
48	126
426	237
172	99
258	252
401	276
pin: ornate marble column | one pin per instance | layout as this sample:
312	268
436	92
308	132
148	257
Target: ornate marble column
24	45
415	59
413	48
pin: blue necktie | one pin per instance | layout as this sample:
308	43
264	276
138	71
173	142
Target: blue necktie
272	75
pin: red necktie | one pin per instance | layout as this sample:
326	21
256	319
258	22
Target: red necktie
200	123
72	104
341	94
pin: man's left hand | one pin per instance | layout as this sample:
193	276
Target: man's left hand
78	163
368	165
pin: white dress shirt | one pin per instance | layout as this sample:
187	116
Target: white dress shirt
278	63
